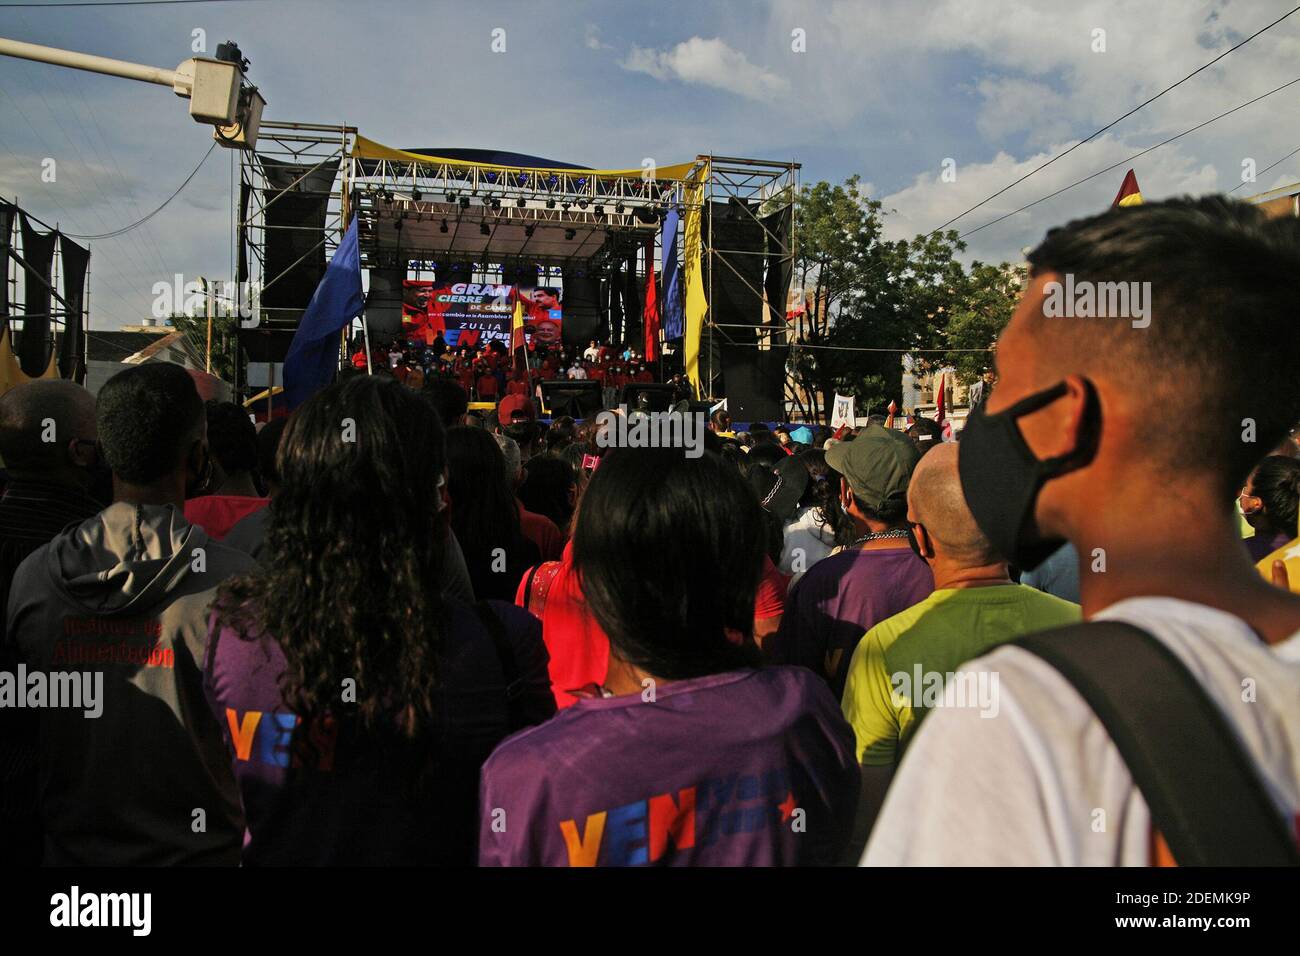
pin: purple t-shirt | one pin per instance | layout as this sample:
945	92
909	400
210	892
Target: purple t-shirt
372	798
838	600
746	768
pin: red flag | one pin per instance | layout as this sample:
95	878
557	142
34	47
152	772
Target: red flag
940	394
1129	194
651	311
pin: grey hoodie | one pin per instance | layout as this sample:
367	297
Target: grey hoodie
127	594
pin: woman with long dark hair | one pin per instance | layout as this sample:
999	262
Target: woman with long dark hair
485	514
358	703
690	754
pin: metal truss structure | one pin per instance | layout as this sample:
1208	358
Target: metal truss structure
756	189
423	214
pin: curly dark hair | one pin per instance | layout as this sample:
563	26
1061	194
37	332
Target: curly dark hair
354	557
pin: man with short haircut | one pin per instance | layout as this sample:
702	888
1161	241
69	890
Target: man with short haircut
47	441
1142	482
123	598
974	607
844	595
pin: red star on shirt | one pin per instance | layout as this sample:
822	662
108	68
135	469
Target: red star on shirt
787	807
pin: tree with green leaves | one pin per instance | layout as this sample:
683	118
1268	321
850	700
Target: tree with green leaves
868	299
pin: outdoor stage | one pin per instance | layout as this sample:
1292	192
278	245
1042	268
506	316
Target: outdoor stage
717	234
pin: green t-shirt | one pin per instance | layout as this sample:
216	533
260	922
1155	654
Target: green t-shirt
901	666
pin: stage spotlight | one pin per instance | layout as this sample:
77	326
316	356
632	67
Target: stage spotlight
550	204
582	203
483	229
570	234
450	197
416	195
496	203
443	227
521	202
582	181
620	209
464	202
565	206
491	177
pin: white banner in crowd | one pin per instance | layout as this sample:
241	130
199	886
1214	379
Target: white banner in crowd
842	413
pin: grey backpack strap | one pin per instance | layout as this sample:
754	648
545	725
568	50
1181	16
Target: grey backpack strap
1206	797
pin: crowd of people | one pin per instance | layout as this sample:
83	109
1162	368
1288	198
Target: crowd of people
392	630
488	372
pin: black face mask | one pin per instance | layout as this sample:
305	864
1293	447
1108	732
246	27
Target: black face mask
1001	478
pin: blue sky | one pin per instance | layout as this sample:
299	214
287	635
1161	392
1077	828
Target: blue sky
888	90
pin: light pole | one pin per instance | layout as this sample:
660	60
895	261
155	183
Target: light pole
214	86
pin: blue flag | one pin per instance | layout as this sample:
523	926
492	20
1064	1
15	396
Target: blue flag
671	306
313	355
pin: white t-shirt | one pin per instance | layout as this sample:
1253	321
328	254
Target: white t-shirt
805	532
1025	787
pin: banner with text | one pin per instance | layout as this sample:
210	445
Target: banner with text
469	313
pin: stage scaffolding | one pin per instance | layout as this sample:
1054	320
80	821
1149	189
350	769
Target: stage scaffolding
417	214
316	148
757	189
16	274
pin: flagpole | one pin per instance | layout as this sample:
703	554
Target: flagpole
365	340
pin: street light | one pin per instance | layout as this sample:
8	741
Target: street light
213	85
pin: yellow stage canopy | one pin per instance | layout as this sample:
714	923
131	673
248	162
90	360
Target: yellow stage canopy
368	149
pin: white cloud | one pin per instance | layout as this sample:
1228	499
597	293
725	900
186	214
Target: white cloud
1014	105
708	63
592	38
928	201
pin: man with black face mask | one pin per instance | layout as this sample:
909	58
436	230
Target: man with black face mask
1066	448
121	601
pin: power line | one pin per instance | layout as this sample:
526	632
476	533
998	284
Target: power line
1267	168
1116	121
115	3
1125	162
141	222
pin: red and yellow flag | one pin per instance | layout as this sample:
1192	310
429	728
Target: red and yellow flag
1129	194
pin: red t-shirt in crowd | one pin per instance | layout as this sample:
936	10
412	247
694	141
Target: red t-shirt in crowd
541	531
770	600
217	514
487	386
578	648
